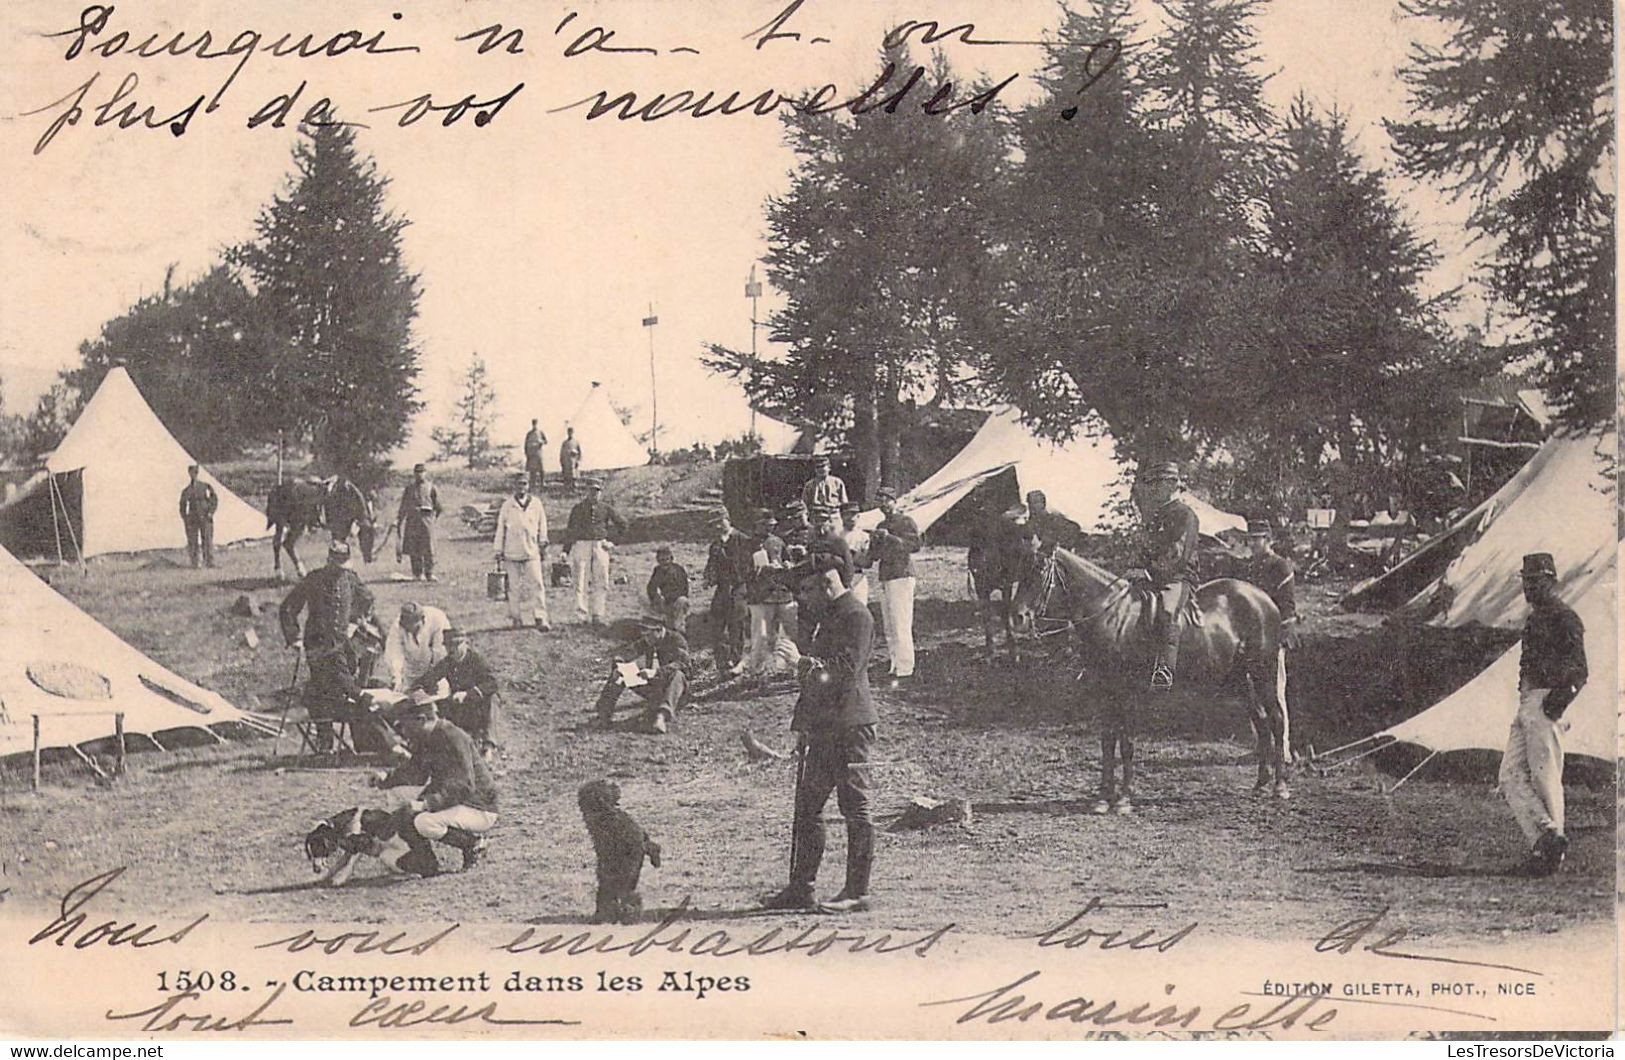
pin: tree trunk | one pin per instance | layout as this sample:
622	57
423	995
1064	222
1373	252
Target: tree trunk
889	421
865	430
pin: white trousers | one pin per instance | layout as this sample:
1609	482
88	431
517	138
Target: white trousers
897	616
435	825
860	586
772	640
1532	767
589	569
525	586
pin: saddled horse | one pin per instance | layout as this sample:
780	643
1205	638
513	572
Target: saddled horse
294	506
996	560
1237	643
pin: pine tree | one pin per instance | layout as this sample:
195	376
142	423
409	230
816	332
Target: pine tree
469	436
1516	110
330	282
884	248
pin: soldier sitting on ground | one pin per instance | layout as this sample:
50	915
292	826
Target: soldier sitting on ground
655	666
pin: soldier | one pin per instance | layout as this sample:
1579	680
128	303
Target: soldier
415	644
1551	671
535	444
1275	574
1051	529
795	531
810	604
667	590
198	503
823	489
834	722
458	802
415	520
470	688
857	545
895	541
1169	559
727	568
569	458
587	539
336	604
663	652
520	545
772	605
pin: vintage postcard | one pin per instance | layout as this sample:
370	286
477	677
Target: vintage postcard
837	519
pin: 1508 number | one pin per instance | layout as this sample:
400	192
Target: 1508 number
202	982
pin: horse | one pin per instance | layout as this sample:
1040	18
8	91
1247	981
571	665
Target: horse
996	561
1238	639
294	506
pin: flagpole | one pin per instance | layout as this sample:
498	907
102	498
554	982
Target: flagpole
654	392
753	291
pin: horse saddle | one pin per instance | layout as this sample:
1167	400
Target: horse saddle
1151	607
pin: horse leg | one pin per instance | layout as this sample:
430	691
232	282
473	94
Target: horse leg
291	544
1125	747
1280	724
276	551
1263	738
984	609
1108	768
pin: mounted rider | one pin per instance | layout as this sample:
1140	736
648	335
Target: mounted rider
1169	559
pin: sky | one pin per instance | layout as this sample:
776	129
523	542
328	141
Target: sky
542	239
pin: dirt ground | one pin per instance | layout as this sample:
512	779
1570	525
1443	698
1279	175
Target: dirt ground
219	828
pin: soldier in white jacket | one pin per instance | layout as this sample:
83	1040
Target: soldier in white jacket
520	545
415	644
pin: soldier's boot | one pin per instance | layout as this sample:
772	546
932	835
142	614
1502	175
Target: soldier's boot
608	698
806	854
470	844
860	859
1162	673
419	858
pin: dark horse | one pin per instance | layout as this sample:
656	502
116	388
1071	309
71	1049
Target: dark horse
1238	641
997	559
338	504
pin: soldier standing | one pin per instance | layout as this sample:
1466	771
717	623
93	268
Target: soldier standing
335	603
535	444
1171	530
587	539
198	503
519	546
727	565
895	541
415	520
569	458
1551	672
834	722
1276	575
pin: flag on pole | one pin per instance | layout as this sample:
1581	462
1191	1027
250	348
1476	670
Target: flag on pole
650	322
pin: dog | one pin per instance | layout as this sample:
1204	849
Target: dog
621	845
335	844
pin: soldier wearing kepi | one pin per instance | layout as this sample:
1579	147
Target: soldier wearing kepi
198	503
727	567
519	546
334	603
458	803
1171	530
535	445
834	722
414	522
587	539
1551	672
1276	575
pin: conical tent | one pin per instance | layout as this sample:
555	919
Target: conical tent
1478	715
606	442
114	485
60	664
1081	479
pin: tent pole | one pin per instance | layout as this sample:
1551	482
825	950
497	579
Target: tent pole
56	527
118	729
1412	773
1345	747
1324	769
89	761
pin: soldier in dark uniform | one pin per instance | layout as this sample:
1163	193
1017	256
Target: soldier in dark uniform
588	537
569	458
727	568
794	529
535	445
198	503
1551	671
414	522
663	652
1275	574
667	590
771	604
335	605
1050	529
1171	530
834	722
810	602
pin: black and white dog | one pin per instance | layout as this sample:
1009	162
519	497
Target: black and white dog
334	844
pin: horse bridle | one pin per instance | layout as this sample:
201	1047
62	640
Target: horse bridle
1051	576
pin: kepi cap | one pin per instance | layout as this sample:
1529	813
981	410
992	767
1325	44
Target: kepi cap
1258	527
1539	564
886	493
1159	471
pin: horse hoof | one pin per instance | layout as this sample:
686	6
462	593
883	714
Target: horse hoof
1261	788
1123	807
1282	791
1101	807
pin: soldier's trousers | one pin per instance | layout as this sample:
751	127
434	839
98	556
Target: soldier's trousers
729	617
200	537
1531	777
836	761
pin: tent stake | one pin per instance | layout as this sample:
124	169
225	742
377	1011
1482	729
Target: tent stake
89	761
1412	773
1324	769
118	729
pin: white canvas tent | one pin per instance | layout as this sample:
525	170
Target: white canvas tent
778	438
48	643
1563	488
1082	479
1478	715
116	482
606	442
